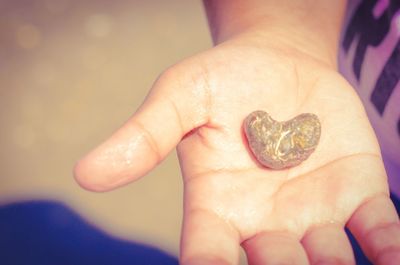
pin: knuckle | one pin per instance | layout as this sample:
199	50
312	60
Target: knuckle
150	141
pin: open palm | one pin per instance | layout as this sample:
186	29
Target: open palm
290	216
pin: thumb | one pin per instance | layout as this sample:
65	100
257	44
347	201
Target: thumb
172	108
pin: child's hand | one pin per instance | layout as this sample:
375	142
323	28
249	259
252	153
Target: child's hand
278	216
290	216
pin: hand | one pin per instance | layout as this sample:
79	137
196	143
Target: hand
290	216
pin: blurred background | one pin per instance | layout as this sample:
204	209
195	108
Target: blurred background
71	72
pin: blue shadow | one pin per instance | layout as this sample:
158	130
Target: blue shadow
48	233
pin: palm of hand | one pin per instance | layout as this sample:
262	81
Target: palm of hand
221	177
229	197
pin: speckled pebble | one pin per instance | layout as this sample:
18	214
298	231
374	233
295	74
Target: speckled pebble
279	145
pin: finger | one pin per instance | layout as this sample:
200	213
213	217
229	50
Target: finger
328	245
169	112
274	248
208	240
375	225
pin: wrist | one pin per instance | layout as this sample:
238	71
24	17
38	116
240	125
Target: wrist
288	41
295	25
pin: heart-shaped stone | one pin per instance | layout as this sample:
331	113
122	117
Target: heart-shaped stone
285	144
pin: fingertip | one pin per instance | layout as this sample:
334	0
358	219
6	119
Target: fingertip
83	176
124	157
103	170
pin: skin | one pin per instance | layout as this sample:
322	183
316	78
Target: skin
284	65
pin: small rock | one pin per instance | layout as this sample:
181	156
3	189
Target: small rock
279	145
